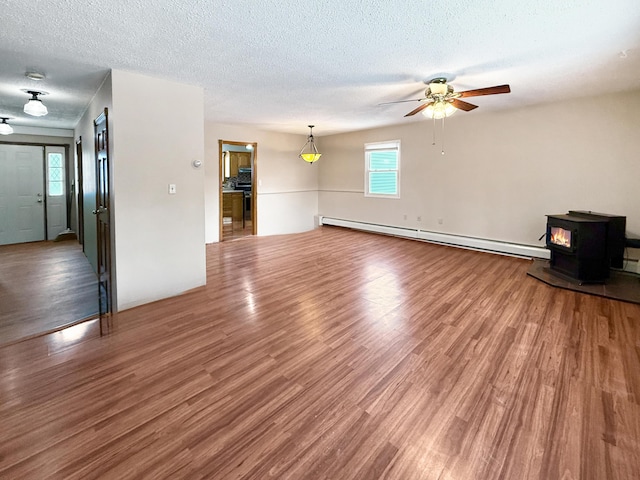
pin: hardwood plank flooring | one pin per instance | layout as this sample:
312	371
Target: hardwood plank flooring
335	354
228	232
44	286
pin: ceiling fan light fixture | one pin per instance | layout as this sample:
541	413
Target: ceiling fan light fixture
34	105
438	88
309	152
5	128
439	109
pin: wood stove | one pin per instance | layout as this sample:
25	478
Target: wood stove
578	247
616	229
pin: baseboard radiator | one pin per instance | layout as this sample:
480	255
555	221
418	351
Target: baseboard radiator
472	243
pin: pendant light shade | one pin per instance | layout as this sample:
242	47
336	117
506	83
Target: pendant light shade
309	152
5	128
34	106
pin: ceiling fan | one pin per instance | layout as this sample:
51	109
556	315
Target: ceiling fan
441	100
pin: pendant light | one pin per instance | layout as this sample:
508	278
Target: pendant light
34	106
309	152
5	128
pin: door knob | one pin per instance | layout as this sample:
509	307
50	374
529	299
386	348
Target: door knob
99	210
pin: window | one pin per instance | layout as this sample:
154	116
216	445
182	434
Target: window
382	169
55	174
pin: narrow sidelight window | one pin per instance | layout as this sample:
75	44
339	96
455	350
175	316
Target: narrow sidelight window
55	174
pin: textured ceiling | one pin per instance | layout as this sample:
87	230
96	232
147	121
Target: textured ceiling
280	65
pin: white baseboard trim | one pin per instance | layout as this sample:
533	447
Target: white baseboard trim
630	265
471	243
369	227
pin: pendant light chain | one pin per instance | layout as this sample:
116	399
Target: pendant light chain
442	153
434	132
433	143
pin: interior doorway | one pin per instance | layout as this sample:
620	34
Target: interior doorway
237	189
46	282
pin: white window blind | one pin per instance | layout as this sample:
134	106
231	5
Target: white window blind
382	169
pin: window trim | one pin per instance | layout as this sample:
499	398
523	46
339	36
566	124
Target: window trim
389	145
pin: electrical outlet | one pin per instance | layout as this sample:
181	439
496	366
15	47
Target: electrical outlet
440	221
419	218
405	216
172	189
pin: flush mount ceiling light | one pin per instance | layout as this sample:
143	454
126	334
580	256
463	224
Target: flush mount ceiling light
309	152
35	76
5	128
34	106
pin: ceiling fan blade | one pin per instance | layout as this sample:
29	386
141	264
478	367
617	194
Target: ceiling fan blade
485	91
466	106
417	110
403	101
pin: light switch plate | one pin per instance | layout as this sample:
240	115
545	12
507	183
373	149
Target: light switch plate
172	189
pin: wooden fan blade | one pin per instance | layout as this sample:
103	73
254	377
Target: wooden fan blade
404	101
417	110
466	106
485	91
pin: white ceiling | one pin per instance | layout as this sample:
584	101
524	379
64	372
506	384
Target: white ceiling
282	64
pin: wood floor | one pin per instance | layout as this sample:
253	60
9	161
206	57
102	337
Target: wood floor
228	232
335	354
44	286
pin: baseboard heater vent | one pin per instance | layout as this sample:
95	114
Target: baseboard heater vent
472	243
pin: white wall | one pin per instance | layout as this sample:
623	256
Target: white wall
502	171
287	192
158	131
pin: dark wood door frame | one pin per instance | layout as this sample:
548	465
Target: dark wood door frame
80	192
103	222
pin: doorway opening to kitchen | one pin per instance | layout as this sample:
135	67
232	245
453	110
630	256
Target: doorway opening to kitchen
238	173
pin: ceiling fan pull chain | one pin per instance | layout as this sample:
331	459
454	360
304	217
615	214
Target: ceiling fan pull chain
442	153
434	131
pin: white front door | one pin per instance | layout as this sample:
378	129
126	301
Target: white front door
55	165
21	194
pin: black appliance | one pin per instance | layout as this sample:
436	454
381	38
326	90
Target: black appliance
247	189
584	245
616	227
